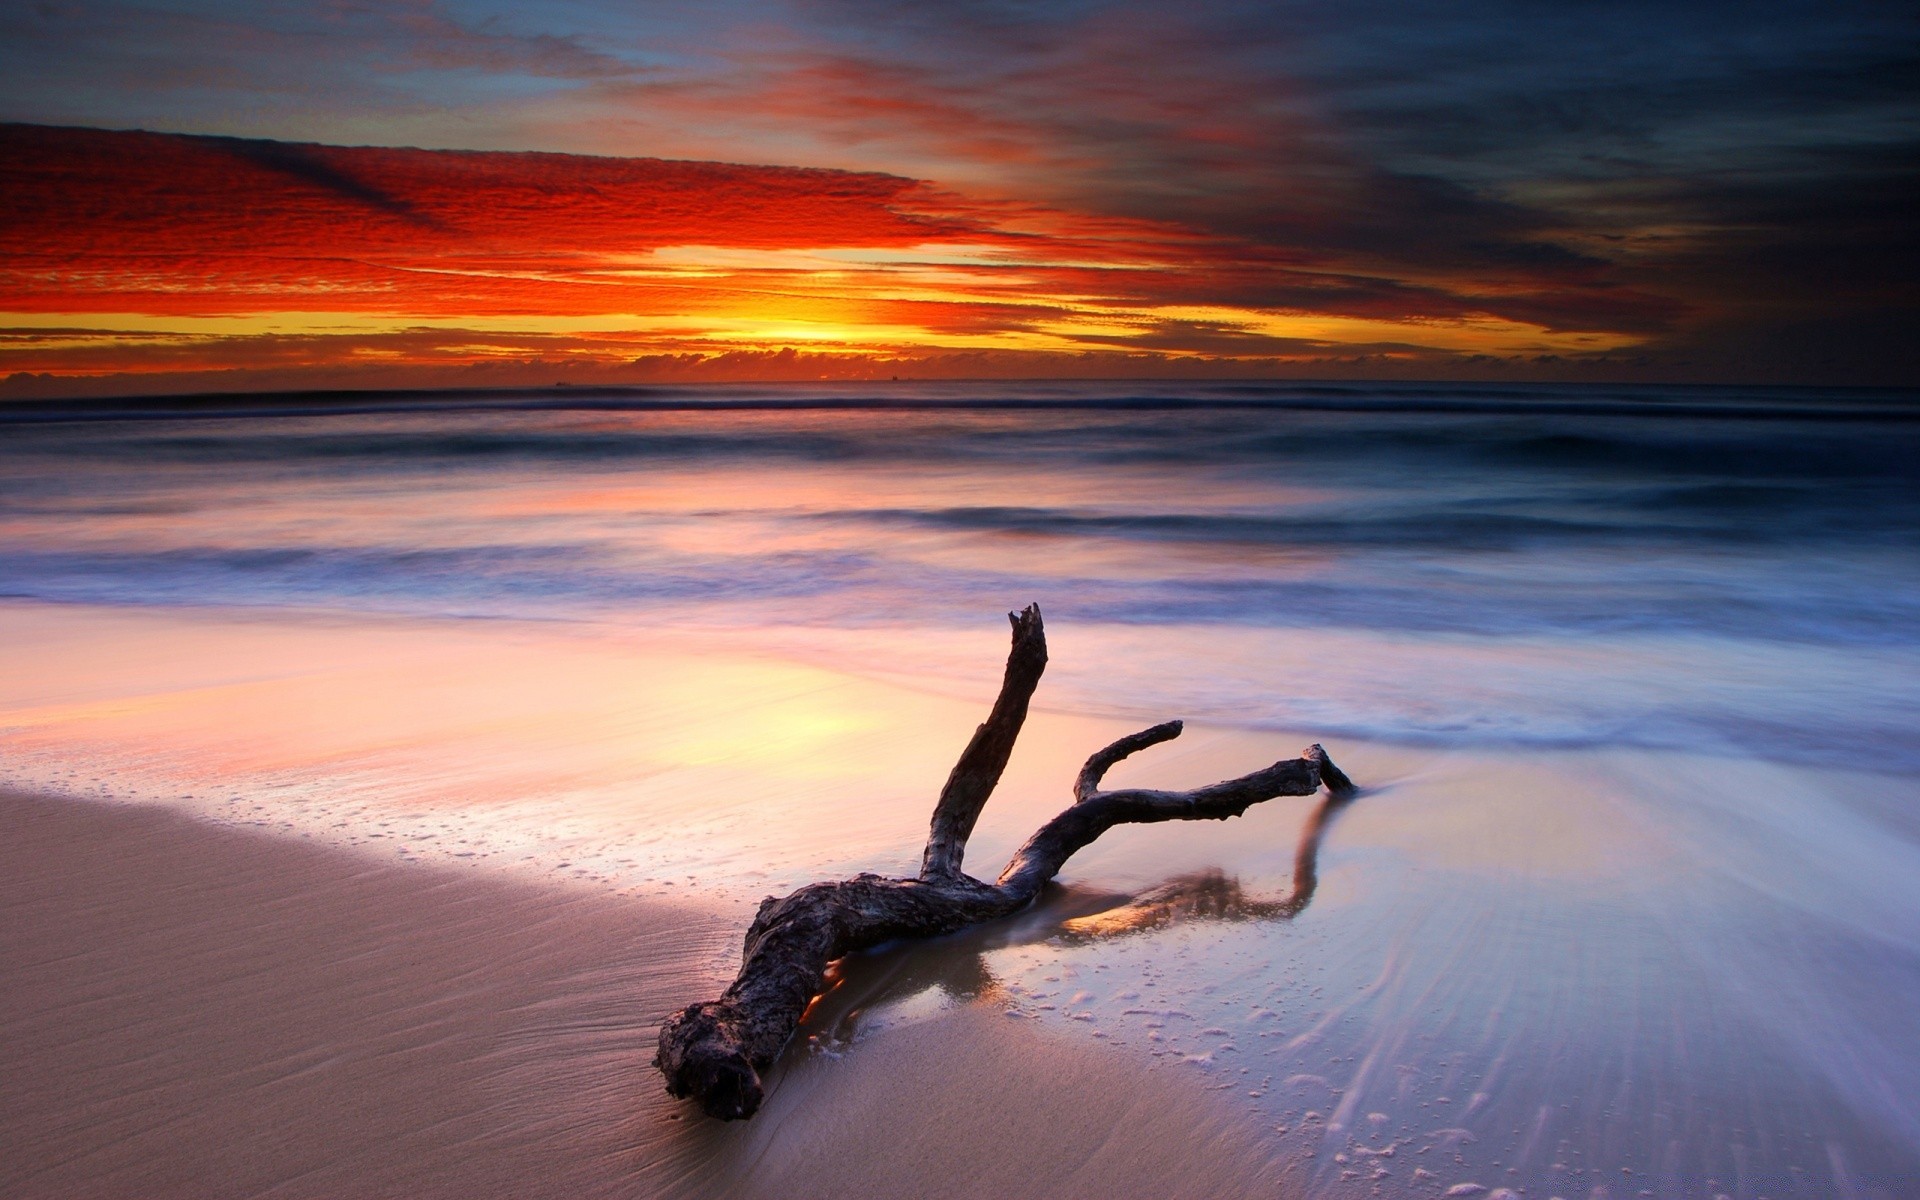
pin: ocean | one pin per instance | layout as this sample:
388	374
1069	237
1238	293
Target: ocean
1631	676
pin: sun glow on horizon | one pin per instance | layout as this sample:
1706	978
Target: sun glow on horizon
411	262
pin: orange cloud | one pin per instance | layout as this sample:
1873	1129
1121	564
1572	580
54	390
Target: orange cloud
163	258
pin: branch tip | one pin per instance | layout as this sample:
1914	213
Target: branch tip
1088	784
1333	777
1026	621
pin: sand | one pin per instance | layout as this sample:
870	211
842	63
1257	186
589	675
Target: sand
200	1011
351	906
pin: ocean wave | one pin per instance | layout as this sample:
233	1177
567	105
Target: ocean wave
1461	537
1852	478
1556	593
1685	515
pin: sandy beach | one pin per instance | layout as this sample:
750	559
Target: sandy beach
270	942
197	1011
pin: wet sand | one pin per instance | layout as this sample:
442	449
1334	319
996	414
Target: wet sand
341	905
200	1011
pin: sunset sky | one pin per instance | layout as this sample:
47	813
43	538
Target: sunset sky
460	192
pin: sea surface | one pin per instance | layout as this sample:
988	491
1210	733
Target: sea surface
1630	904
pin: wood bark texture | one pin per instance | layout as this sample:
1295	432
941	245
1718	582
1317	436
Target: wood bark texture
715	1052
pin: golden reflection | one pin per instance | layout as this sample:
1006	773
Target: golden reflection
1212	895
954	968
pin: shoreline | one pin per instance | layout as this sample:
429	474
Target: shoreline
199	1010
1544	969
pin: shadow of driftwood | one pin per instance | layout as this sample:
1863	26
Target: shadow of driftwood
956	965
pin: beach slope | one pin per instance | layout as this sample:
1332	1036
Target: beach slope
193	1010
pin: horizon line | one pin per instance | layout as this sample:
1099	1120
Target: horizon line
1444	397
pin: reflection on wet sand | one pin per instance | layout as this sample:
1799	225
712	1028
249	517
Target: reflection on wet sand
1212	895
955	967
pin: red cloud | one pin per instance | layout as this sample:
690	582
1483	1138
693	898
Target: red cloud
170	223
139	240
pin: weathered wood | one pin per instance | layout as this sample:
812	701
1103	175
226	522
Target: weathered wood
715	1051
978	772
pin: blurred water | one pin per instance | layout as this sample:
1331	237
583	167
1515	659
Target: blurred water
1709	569
1632	678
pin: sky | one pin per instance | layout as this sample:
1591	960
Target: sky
463	192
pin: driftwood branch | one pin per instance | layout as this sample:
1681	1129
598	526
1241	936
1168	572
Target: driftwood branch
978	772
715	1051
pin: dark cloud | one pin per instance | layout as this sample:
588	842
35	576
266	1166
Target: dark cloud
302	163
1684	171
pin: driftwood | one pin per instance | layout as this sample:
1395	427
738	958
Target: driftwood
714	1052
